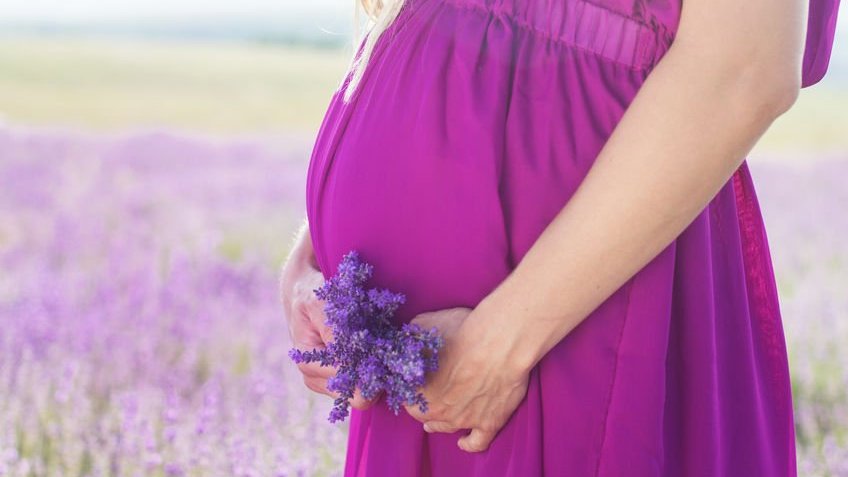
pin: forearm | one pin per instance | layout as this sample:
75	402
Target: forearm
683	135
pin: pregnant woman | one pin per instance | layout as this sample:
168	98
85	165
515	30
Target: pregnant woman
560	186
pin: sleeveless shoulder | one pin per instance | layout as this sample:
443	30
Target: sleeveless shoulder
821	29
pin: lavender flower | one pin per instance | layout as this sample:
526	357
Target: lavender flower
368	350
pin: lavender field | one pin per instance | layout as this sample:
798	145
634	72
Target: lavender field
142	333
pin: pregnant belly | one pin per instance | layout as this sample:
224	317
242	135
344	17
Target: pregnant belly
452	158
418	202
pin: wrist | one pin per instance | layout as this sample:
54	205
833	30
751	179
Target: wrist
494	335
302	254
299	261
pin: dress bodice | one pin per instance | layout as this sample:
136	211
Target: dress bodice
664	15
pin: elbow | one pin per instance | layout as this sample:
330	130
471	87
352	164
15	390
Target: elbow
758	89
779	92
771	90
757	76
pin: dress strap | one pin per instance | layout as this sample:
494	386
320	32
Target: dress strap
821	28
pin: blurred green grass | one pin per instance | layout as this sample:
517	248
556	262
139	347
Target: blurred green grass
117	84
816	123
214	87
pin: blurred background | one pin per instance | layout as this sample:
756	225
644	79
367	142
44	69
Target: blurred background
153	159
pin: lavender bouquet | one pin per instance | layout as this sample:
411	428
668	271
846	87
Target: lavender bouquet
369	351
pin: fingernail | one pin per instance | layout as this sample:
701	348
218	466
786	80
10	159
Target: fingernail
427	428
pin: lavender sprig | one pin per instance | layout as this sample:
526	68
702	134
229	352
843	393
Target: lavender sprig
369	351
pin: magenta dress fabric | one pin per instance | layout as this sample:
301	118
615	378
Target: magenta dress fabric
475	122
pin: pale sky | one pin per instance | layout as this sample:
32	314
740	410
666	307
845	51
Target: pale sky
75	10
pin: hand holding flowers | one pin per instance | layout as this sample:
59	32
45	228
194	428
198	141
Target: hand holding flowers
306	320
447	371
370	353
475	386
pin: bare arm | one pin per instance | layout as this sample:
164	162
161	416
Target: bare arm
733	68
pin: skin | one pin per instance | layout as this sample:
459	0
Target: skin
733	69
305	315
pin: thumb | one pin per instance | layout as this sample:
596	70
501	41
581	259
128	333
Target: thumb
475	441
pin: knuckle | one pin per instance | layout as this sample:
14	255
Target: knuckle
416	414
450	426
437	410
488	427
486	424
461	423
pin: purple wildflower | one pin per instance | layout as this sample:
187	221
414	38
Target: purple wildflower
369	351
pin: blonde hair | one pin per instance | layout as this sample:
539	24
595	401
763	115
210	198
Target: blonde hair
380	13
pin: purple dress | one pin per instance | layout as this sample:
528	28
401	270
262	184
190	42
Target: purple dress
475	122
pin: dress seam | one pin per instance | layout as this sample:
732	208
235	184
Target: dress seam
621	14
614	375
529	27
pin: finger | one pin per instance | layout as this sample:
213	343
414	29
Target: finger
439	426
423	318
416	413
319	386
476	441
360	402
315	370
428	321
